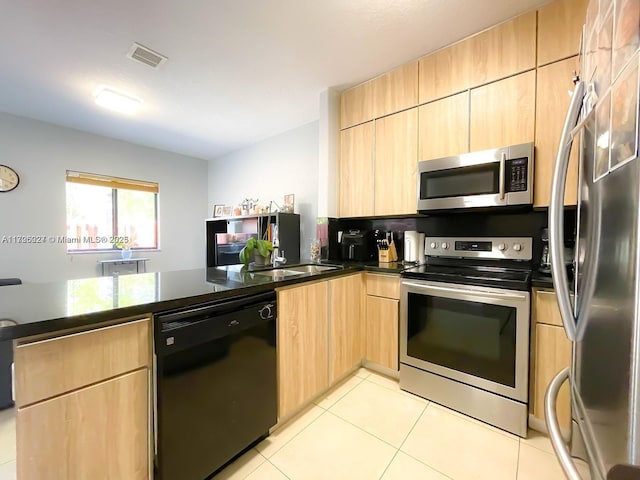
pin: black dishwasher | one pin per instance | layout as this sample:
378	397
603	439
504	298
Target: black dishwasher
216	390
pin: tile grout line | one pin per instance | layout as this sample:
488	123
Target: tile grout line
405	439
274	466
362	429
411	456
289	441
518	460
342	396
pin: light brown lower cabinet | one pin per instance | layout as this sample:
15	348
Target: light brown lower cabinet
98	432
83	404
346	325
382	331
303	344
551	353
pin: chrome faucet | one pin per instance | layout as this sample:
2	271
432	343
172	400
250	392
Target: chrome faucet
276	258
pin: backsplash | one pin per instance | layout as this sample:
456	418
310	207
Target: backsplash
475	224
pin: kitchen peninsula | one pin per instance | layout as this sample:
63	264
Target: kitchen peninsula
83	357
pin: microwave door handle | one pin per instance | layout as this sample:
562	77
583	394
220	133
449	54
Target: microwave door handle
503	160
556	214
461	291
555	435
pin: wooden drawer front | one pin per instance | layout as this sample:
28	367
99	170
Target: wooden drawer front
383	285
97	433
55	366
546	310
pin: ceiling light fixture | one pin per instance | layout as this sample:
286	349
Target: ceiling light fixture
117	100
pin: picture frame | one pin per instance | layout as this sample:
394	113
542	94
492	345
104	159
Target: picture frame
218	210
227	211
289	203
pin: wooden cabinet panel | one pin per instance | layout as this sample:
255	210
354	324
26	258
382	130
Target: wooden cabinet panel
355	171
552	102
356	105
552	354
396	163
503	112
545	307
303	343
99	432
444	127
445	72
383	285
559	29
396	90
382	331
504	50
346	325
46	368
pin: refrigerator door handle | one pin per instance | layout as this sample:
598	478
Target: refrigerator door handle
556	214
555	435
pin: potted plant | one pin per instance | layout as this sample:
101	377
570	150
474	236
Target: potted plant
263	250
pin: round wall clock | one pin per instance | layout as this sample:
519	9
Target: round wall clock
9	178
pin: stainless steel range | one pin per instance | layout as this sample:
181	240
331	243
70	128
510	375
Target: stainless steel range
464	328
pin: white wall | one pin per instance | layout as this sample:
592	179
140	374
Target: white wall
41	153
269	170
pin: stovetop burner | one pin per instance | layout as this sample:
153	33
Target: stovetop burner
460	260
514	279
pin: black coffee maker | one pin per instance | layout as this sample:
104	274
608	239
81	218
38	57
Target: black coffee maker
355	245
545	260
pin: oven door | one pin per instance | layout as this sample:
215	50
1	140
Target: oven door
475	335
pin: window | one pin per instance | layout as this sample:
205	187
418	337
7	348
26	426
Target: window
106	213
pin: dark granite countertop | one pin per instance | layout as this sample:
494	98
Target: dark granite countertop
38	308
541	280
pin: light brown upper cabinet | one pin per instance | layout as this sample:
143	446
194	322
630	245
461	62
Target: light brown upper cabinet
396	163
355	171
445	72
444	127
396	90
346	324
552	101
356	105
503	50
559	29
503	112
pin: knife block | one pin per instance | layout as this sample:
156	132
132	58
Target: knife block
387	253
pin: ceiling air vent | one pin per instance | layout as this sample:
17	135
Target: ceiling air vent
145	55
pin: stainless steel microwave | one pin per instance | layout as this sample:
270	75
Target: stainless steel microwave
488	178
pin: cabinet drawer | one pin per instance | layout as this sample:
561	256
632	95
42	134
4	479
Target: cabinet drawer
44	369
383	285
545	308
97	433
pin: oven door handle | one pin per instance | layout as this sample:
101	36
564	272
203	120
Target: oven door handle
460	291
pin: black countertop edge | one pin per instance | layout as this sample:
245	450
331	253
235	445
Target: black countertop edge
57	322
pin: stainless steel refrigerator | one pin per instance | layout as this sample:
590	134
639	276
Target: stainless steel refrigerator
603	320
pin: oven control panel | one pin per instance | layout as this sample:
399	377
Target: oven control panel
512	248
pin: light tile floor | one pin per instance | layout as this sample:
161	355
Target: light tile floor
7	444
368	429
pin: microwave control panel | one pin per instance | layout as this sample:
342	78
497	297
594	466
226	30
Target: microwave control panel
516	174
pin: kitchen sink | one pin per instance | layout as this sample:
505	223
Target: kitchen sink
312	268
278	273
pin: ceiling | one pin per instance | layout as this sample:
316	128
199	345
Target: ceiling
239	71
